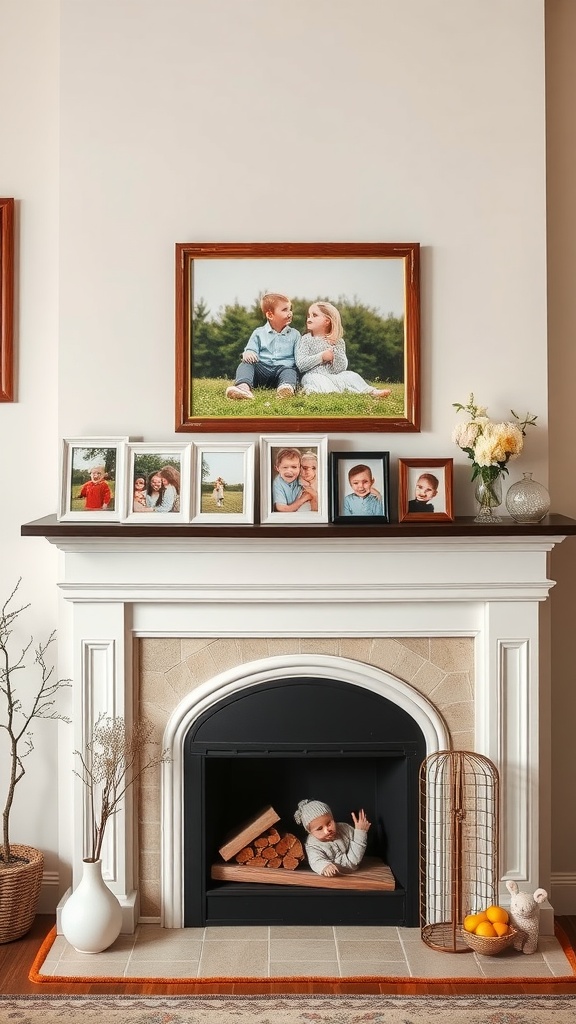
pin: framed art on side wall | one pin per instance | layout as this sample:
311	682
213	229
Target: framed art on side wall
360	487
158	483
223	483
92	478
425	490
6	300
298	337
293	479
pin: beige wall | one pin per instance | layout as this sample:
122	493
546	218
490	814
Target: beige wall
134	124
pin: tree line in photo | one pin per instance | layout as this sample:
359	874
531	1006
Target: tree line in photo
374	343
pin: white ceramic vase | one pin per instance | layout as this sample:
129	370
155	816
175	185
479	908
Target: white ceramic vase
92	916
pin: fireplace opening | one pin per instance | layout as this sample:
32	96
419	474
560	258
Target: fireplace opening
276	743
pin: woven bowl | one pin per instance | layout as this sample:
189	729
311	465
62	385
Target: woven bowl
486	945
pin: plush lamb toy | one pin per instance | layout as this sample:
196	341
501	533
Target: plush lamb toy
524	916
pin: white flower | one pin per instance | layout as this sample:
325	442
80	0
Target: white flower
488	443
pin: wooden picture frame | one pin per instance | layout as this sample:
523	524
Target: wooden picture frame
6	300
360	487
165	497
311	449
436	490
376	288
92	479
223	489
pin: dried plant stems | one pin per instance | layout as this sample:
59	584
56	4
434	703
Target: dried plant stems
21	712
112	762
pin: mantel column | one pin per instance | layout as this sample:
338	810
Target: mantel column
103	684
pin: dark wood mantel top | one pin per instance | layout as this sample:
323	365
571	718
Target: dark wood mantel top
553	525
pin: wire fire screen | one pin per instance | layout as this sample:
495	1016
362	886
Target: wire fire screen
459	844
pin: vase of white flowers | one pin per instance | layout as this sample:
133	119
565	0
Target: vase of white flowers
489	446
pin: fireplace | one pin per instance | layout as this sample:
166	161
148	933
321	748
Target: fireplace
275	743
283	593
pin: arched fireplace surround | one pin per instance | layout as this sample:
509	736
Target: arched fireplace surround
290	727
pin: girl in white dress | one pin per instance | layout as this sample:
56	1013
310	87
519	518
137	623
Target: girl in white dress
321	356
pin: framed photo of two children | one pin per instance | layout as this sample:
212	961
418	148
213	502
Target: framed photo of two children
290	336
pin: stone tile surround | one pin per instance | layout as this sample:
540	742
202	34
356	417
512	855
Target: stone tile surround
440	668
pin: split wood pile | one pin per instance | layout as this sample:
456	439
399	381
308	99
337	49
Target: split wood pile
272	850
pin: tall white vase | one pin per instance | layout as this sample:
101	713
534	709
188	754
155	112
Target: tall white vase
92	916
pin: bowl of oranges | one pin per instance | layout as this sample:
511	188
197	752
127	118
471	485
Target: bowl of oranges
489	931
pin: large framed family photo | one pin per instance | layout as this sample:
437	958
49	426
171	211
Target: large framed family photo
298	337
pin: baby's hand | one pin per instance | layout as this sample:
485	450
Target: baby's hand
361	821
330	869
376	493
249	357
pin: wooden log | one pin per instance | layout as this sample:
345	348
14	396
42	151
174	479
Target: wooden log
373	874
244	835
275	863
244	855
290	863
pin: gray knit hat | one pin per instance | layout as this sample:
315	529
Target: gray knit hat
310	809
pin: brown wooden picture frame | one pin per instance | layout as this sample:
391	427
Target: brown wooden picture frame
439	470
6	300
376	285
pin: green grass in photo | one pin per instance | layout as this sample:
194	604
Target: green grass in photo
208	400
233	502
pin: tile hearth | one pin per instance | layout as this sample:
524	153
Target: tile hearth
295	952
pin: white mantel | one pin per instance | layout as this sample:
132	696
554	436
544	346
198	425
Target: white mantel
206	582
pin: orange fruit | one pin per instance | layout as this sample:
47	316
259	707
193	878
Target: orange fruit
485	929
500	928
470	921
482	915
495	913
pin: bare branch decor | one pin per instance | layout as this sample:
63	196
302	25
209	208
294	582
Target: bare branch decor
113	761
20	712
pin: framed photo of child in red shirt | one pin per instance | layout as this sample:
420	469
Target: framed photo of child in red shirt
92	478
297	336
425	490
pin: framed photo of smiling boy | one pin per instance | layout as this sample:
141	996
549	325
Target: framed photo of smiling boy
360	487
425	490
293	479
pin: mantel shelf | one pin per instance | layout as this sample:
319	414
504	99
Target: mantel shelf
553	525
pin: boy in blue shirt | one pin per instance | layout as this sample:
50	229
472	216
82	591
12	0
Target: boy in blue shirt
268	359
366	500
288	494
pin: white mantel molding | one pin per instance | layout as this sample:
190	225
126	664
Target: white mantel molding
187	583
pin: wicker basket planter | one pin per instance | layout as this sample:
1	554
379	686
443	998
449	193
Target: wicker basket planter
486	945
19	892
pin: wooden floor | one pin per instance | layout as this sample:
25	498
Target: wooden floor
16	959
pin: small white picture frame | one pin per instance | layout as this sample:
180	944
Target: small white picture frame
223	488
282	485
92	479
157	482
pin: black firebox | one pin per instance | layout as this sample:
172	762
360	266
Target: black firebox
277	743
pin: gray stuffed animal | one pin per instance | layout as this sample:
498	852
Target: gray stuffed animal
525	916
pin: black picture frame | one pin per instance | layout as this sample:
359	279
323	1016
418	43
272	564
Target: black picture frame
345	499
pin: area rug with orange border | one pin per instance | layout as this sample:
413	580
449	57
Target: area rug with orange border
35	975
289	1009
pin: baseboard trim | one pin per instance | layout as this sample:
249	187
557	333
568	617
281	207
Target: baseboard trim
563	897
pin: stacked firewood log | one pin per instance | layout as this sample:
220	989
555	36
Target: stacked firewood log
272	850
